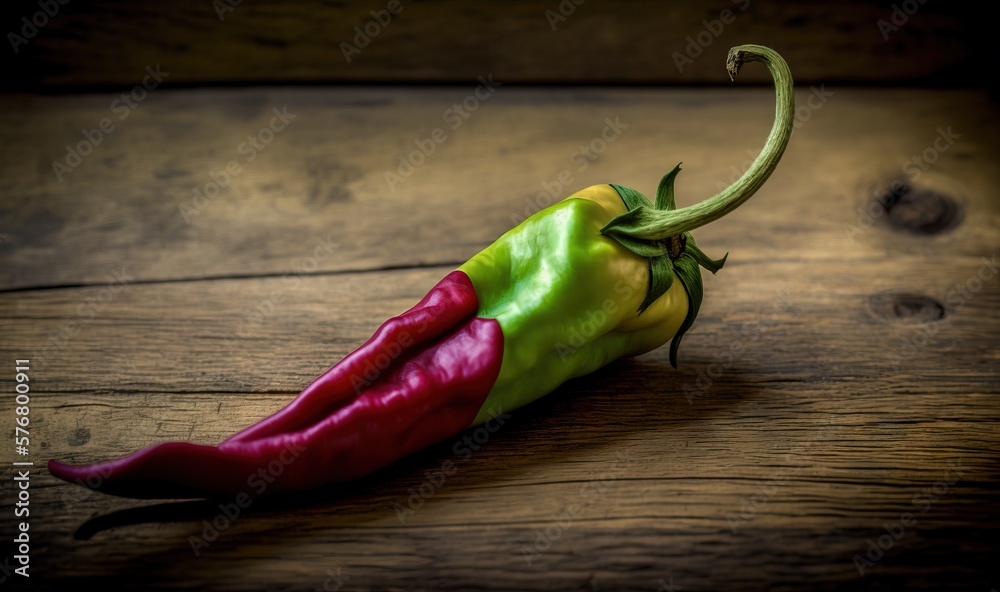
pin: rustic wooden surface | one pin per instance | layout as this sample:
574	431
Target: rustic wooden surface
861	376
110	42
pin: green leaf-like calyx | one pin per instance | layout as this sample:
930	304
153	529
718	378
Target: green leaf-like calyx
662	234
676	254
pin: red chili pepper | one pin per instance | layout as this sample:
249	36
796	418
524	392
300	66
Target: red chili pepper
339	428
601	275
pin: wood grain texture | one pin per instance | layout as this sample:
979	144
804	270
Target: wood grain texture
322	180
858	377
598	41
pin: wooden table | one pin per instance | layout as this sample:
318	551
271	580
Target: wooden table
863	390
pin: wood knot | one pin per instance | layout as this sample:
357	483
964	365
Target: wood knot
920	210
907	308
78	437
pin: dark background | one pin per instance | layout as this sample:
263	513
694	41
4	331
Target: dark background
107	44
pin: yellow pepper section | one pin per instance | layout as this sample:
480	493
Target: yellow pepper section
566	297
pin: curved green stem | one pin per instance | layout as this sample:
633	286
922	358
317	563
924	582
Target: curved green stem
657	225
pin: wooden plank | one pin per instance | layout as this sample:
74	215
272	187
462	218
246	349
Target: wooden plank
865	368
265	335
322	180
807	418
600	41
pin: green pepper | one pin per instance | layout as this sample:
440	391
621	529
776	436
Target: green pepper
601	275
605	274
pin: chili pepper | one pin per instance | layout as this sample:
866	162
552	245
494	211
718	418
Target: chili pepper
601	275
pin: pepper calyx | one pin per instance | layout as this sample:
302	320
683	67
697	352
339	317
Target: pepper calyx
657	232
677	255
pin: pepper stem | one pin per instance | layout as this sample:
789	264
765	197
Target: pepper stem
656	225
